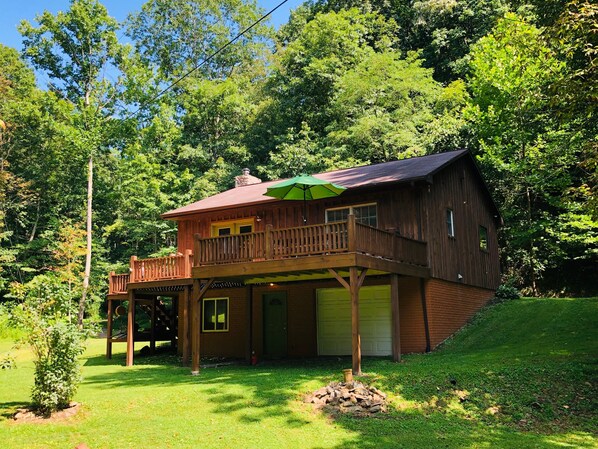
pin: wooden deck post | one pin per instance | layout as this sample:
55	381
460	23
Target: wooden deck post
131	329
355	337
396	327
351	241
198	294
132	269
188	262
153	326
184	322
109	330
111	282
195	311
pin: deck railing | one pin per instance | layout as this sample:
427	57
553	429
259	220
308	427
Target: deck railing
312	240
275	244
154	269
161	268
117	283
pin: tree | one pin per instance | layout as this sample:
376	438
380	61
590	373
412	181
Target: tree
76	49
443	30
528	154
382	108
299	91
174	36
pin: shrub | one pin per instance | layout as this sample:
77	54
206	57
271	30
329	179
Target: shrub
57	371
7	362
506	292
45	314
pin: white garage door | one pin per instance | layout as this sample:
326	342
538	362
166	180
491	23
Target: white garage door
334	321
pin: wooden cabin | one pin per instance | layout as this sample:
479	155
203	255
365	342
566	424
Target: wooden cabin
395	264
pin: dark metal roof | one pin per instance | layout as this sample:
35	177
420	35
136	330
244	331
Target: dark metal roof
405	170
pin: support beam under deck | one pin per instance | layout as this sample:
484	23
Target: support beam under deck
131	329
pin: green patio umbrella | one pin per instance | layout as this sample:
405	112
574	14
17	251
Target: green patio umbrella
304	188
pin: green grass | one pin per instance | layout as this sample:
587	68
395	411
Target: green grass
528	369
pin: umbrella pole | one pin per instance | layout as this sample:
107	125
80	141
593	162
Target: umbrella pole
304	209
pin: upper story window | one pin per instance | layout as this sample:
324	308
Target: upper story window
366	214
483	233
232	227
450	222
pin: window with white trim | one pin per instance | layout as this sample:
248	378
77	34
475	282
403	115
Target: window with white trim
366	214
215	315
450	222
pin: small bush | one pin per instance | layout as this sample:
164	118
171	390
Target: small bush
57	371
506	292
7	362
8	329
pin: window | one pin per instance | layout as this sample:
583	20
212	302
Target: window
232	227
450	223
215	315
366	214
483	238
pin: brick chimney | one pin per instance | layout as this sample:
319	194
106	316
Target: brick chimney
246	179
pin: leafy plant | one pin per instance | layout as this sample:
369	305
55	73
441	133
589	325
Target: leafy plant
57	371
47	315
506	292
7	361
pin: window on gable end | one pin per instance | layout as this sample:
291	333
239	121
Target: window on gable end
450	222
483	234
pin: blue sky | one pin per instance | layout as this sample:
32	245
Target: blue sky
13	11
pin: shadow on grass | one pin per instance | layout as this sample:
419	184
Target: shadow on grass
484	396
8	409
276	390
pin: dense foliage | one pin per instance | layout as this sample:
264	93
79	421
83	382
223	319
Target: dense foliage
342	83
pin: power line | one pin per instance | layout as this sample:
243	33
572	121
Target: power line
204	61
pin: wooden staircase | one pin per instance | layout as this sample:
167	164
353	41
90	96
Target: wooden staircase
164	324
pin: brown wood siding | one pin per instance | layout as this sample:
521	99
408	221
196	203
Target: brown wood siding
301	320
450	306
234	342
397	211
457	188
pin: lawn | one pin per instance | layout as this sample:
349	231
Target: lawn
526	372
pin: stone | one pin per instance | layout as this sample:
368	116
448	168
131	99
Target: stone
375	408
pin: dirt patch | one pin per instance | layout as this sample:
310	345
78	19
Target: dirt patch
27	415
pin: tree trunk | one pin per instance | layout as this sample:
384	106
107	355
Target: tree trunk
83	300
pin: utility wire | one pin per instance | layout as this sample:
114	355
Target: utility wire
204	61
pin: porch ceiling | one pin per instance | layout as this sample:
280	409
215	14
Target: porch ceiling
305	268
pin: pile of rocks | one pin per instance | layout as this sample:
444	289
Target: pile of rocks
351	397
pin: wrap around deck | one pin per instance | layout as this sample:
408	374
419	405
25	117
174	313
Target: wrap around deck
248	254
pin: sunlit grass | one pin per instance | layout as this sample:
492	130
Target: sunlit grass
526	368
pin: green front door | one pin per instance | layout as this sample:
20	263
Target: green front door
275	324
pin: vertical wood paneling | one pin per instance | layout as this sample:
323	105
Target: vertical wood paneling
457	188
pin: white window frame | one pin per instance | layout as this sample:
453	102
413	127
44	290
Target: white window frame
450	213
203	313
351	210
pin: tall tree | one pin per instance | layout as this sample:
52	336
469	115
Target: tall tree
77	49
528	153
443	30
174	36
